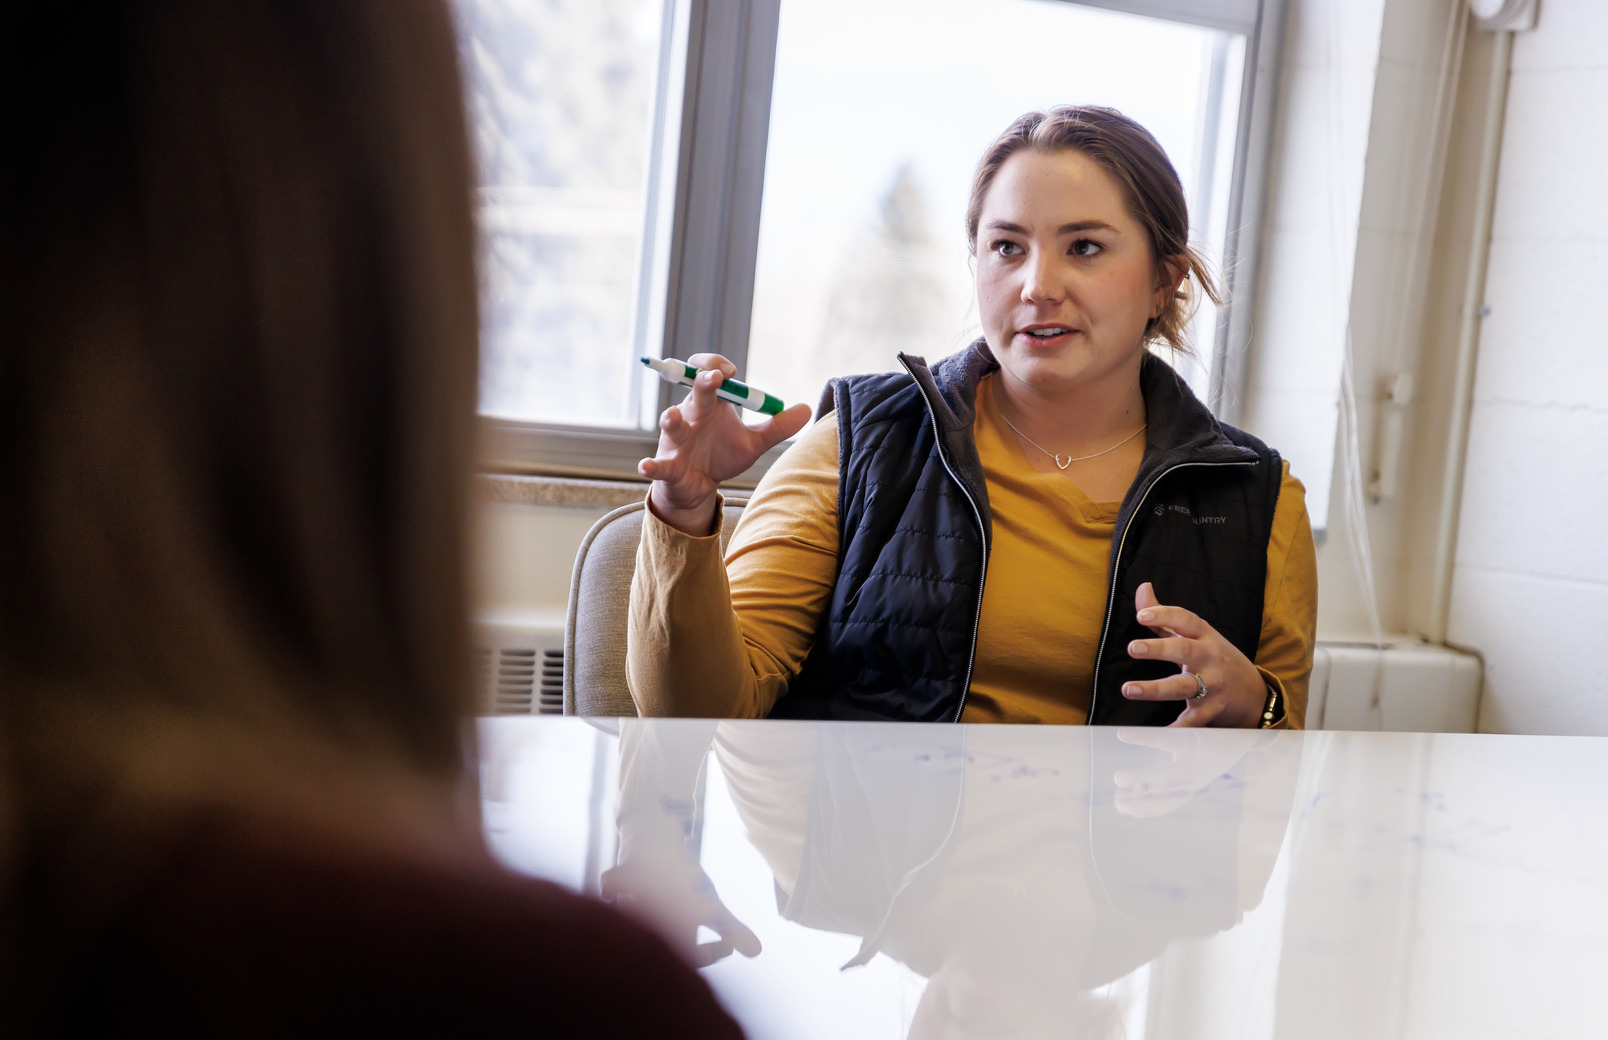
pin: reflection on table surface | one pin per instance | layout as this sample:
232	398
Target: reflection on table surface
884	880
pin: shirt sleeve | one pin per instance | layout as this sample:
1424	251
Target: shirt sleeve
717	638
1290	602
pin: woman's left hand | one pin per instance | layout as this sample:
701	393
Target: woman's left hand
1235	690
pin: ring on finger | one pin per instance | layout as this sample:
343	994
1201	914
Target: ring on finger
1204	689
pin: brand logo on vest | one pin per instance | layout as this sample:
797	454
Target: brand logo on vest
1163	510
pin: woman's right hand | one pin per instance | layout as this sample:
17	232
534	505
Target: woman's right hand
702	442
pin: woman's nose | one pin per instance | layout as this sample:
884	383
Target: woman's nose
1040	280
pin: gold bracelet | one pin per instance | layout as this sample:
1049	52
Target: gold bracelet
1270	708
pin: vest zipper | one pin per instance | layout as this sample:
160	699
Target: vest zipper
982	529
1116	568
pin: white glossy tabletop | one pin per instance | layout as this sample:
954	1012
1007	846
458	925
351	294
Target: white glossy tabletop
1004	881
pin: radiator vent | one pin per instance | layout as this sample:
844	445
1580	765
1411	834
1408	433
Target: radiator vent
520	666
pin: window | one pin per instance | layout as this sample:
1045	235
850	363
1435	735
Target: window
561	101
861	251
761	178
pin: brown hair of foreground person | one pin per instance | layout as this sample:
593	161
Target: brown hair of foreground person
237	378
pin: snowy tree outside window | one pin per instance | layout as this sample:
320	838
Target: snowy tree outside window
560	95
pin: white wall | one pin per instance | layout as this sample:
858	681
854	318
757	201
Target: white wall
524	553
1529	583
1326	81
1530	586
1365	110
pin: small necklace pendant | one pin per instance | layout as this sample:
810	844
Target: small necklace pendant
1059	464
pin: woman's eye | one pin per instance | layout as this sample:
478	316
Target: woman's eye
1004	248
1085	247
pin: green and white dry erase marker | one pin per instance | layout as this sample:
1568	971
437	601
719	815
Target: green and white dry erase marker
740	394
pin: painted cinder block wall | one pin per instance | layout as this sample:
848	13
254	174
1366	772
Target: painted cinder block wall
1530	584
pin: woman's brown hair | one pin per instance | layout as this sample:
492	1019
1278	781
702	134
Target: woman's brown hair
1149	183
237	367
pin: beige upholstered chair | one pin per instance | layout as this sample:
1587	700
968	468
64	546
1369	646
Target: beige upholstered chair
600	591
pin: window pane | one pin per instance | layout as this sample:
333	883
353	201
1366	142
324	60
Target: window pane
874	137
561	93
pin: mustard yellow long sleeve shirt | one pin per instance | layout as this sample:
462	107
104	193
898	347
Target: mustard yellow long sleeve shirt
723	638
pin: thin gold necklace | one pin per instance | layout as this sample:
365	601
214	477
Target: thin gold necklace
1059	463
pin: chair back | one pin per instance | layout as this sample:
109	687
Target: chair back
599	601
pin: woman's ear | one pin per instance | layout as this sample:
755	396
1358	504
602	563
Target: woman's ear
1178	266
1174	269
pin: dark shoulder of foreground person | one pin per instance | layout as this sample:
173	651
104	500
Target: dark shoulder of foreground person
249	930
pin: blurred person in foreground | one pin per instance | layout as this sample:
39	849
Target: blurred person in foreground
237	382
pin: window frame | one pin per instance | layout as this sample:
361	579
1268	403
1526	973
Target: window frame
701	232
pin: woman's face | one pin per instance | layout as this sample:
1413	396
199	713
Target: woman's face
1065	280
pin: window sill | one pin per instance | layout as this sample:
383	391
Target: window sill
571	492
580	455
558	490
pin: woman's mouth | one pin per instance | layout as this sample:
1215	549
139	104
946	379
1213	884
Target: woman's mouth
1046	335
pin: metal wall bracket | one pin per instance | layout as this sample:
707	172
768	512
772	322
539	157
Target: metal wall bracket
1504	15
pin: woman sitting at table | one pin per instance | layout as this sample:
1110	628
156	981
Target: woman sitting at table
237	380
1045	527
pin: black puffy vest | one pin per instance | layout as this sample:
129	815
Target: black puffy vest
898	639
